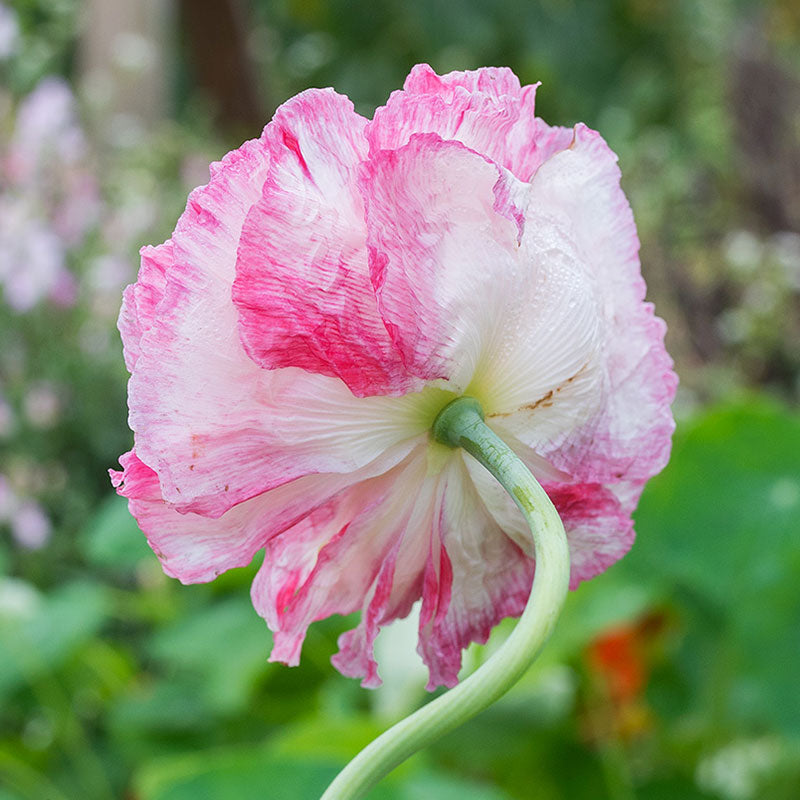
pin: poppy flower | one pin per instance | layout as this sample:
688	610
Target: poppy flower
336	284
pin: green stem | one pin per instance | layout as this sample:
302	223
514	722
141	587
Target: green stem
460	424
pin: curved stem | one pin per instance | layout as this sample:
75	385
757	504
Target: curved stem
460	424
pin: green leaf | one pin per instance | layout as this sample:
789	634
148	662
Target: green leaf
166	707
269	771
232	775
724	517
37	639
224	645
113	538
336	740
672	788
4	559
719	533
445	787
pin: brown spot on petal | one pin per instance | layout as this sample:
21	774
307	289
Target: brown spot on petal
546	401
197	445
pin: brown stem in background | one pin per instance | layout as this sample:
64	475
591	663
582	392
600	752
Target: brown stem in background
216	38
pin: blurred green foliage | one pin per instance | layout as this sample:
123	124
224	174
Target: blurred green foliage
672	675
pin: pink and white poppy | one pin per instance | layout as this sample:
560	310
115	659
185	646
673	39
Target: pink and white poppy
336	283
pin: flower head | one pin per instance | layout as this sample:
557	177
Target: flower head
332	288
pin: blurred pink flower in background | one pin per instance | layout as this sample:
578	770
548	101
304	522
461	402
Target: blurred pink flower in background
32	259
49	198
42	405
30	526
339	281
46	133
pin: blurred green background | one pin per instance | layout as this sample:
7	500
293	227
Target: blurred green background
676	674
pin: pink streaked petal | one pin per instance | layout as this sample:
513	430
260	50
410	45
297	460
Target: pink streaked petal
393	593
302	282
550	139
192	548
302	579
191	362
474	577
278	425
627	494
627	437
486	109
496	82
599	528
442	254
196	549
356	658
293	423
513	323
140	299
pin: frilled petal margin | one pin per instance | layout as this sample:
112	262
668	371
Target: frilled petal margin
278	425
302	282
195	548
371	527
475	576
626	437
140	300
487	110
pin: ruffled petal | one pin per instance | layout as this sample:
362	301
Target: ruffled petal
217	428
302	282
493	82
510	322
140	299
396	588
475	576
192	548
368	528
442	258
196	549
627	435
191	363
485	109
599	528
